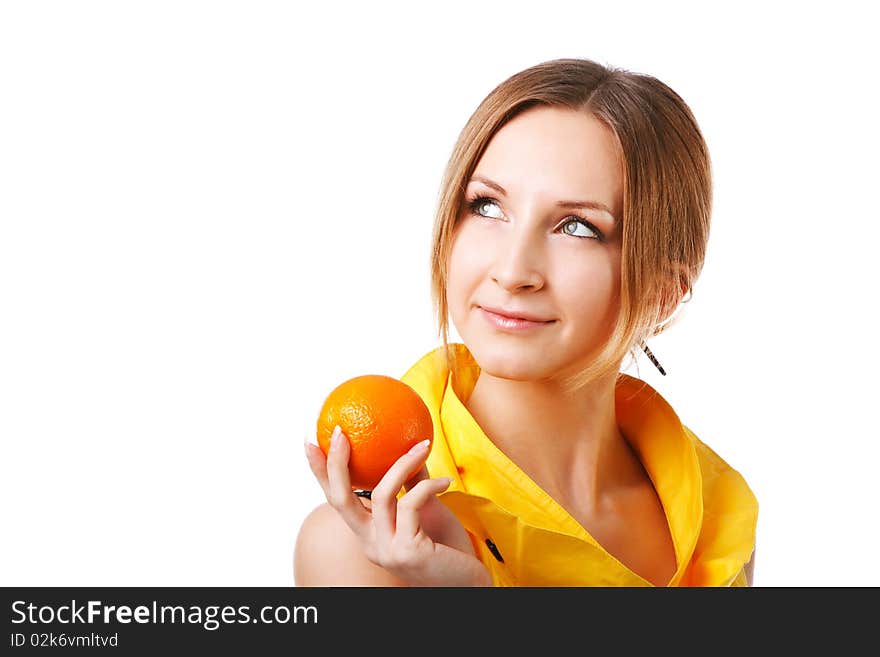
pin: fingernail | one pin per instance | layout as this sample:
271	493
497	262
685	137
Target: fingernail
419	447
446	481
335	437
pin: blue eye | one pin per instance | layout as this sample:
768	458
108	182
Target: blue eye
577	222
478	203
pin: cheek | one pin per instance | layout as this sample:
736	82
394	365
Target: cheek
588	288
465	267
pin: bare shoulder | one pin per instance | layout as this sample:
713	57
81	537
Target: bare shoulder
327	553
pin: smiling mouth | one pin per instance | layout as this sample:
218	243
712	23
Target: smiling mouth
504	322
525	317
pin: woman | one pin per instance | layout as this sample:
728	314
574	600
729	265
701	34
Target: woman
573	220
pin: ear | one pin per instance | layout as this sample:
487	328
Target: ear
676	291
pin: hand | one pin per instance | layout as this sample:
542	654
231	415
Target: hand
416	537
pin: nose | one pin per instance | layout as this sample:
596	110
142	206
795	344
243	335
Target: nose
518	262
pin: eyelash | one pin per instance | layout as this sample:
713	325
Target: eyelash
476	202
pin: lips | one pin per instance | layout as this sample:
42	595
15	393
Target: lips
511	324
516	314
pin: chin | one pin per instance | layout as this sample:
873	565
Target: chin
513	361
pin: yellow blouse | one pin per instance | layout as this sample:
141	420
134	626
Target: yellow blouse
525	538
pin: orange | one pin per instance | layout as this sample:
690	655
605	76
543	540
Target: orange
382	417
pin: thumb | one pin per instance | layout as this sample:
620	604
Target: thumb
421	474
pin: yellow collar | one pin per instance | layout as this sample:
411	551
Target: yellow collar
496	500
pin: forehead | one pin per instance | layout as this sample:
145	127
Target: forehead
564	153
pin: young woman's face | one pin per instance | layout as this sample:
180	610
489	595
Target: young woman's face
519	251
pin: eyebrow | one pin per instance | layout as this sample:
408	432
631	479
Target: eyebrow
591	205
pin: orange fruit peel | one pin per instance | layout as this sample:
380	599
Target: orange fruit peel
382	417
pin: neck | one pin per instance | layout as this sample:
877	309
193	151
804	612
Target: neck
568	443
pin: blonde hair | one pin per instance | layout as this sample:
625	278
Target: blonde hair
667	191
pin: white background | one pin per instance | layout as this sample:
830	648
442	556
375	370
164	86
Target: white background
211	213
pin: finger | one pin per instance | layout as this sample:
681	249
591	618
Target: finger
384	496
318	465
417	477
408	521
339	492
